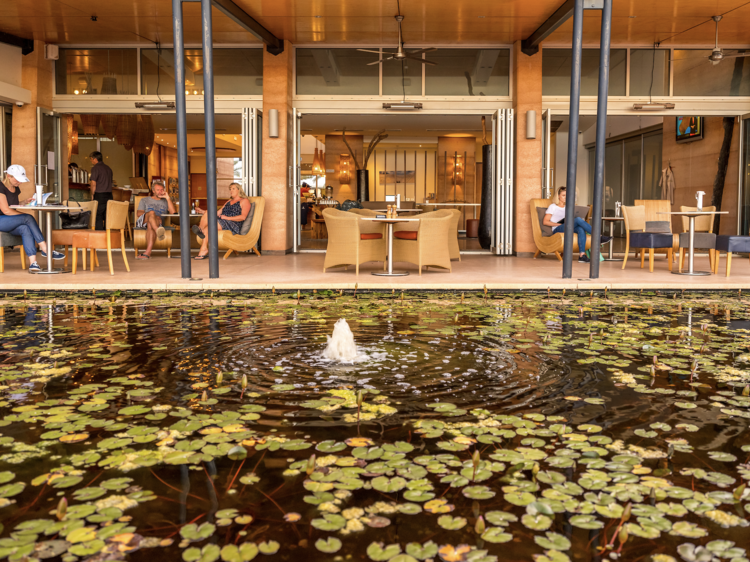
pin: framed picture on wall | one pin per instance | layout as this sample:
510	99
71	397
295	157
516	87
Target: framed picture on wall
689	128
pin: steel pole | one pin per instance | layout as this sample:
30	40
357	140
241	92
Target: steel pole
208	110
601	139
182	155
575	103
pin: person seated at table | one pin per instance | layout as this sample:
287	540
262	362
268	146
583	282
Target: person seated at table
21	224
148	216
555	217
231	217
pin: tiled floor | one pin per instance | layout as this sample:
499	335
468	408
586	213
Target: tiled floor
305	271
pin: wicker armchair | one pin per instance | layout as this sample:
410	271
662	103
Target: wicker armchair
239	243
428	244
139	235
64	237
550	244
352	241
116	223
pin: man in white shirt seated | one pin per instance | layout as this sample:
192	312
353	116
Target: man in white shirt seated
555	216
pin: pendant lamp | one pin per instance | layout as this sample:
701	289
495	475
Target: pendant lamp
317	169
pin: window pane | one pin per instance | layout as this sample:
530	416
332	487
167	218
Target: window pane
632	165
97	71
412	78
642	63
612	177
652	146
556	65
336	72
117	158
694	75
236	71
468	72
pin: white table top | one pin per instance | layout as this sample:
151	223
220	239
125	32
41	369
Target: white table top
43	207
693	213
388	220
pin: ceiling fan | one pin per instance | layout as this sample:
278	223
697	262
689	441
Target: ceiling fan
400	54
717	55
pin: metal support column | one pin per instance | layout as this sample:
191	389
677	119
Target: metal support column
601	138
575	103
182	154
208	110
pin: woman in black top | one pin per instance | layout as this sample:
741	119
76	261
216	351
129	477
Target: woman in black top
21	224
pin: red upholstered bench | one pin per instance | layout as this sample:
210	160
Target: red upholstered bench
370	236
406	234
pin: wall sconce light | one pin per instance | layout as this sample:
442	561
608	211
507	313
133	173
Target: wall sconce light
531	124
345	169
273	123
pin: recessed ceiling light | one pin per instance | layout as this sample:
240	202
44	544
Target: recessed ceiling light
317	17
481	17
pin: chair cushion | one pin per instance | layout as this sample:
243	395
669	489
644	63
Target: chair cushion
7	239
248	222
650	240
370	236
702	240
96	239
406	234
658	226
546	230
733	243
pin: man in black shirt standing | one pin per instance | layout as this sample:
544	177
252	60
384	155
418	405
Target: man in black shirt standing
101	187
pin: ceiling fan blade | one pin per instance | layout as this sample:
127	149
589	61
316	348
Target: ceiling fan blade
735	55
368	51
423	61
376	62
420	51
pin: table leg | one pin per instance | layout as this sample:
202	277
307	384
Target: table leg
49	240
691	244
390	248
691	251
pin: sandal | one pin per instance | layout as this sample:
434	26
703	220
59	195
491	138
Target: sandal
143	257
199	257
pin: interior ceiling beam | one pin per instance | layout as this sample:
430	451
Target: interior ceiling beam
274	45
530	45
27	45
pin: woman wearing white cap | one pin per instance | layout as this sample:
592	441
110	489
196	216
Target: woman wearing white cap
21	224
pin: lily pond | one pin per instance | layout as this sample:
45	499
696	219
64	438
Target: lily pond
469	427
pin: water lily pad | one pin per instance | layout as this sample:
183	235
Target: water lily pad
242	553
553	541
329	545
388	485
451	523
329	522
422	551
378	552
538	522
194	533
269	547
209	553
478	493
496	535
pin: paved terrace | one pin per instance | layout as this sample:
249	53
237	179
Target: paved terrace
305	271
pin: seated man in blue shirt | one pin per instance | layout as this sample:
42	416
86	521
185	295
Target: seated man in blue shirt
148	217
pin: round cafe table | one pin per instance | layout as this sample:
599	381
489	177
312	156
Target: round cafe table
691	215
47	211
389	236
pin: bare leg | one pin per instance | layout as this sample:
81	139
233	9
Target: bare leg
204	228
152	223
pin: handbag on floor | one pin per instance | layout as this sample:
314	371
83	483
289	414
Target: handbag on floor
79	220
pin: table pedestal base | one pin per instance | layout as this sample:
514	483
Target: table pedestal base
391	273
53	271
695	273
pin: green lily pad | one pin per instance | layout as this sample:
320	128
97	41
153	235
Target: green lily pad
209	553
329	545
451	523
496	535
422	551
478	493
553	541
378	552
329	522
538	522
269	547
194	533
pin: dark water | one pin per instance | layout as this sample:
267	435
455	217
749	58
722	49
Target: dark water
559	396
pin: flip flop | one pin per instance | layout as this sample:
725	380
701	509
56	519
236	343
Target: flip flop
142	257
203	257
197	231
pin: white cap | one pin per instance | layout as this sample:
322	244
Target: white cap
17	172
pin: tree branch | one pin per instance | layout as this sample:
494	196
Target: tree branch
343	136
373	143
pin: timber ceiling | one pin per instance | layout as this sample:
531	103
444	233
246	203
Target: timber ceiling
360	22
